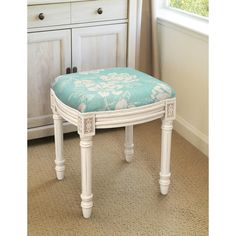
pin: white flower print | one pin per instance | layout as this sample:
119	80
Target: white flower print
166	88
103	93
116	77
159	92
110	85
110	89
82	107
122	104
155	91
162	96
117	93
86	83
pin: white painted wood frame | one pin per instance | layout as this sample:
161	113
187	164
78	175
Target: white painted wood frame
87	123
60	166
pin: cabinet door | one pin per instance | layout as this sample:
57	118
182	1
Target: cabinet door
99	47
49	54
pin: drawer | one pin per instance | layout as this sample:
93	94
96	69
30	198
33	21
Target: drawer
48	15
98	10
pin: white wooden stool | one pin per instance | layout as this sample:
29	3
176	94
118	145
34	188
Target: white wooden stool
109	98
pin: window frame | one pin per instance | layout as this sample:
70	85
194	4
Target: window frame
181	11
181	20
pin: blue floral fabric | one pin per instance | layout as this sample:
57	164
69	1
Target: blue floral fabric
110	89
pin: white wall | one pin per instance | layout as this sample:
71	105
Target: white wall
184	65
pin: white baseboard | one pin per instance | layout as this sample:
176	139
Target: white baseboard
48	130
193	135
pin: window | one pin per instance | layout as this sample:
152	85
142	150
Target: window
198	7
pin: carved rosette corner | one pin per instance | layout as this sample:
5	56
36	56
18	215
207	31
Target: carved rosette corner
86	125
170	110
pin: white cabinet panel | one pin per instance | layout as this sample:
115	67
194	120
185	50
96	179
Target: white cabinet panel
49	54
99	47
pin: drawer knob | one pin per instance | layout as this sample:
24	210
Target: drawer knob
74	69
41	16
99	11
68	71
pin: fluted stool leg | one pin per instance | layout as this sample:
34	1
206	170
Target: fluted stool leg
129	146
165	155
86	176
58	135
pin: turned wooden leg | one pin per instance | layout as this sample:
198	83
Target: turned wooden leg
129	146
165	155
58	135
86	176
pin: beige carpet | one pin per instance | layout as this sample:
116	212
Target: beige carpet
127	200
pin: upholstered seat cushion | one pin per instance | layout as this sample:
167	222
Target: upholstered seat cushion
110	89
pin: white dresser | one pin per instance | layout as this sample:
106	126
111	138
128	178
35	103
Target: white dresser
70	36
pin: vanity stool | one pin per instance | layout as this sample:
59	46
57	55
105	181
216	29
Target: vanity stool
109	98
